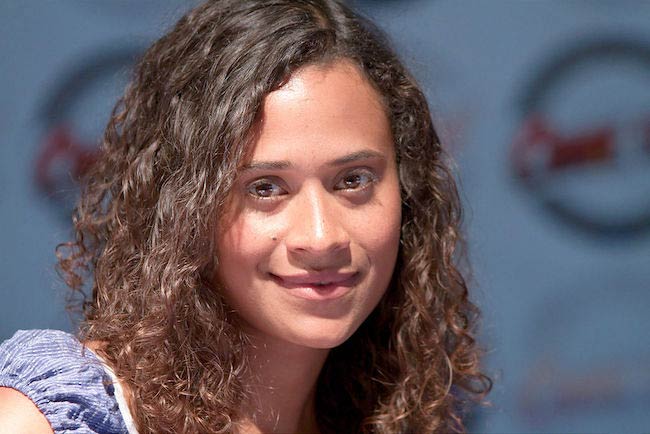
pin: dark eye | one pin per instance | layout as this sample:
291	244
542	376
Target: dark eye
357	180
265	188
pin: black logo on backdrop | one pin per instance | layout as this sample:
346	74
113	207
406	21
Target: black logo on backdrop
73	118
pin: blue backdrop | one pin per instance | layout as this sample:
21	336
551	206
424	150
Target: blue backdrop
546	109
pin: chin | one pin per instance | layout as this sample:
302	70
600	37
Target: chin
323	337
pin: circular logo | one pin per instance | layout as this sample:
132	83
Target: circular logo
73	118
583	149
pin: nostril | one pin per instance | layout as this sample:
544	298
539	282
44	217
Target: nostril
323	239
315	222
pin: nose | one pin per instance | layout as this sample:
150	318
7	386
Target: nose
316	230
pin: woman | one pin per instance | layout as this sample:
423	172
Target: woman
271	232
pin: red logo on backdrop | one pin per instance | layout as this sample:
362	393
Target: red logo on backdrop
539	145
74	116
583	150
61	148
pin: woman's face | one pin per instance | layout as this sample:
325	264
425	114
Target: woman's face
309	243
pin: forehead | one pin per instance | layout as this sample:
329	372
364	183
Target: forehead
330	108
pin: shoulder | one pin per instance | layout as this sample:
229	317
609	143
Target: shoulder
65	382
18	414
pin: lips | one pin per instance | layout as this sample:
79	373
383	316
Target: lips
318	286
315	279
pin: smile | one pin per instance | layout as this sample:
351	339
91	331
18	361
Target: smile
318	286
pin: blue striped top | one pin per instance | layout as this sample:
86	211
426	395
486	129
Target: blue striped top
68	384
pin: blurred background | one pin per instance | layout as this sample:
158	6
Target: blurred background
545	106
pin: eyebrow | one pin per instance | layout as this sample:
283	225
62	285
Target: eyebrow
283	165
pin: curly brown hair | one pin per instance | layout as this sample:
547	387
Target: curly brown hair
144	223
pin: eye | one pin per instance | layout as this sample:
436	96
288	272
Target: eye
356	180
265	189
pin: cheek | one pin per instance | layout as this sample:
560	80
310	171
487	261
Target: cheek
247	236
390	220
392	228
379	233
379	236
241	247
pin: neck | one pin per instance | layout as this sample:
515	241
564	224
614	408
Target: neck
283	381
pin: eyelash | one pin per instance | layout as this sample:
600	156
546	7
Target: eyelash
265	182
359	174
272	189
